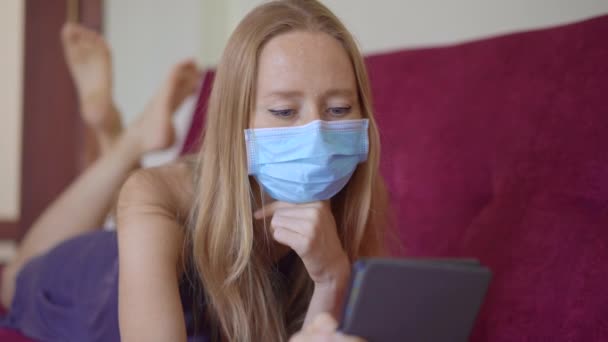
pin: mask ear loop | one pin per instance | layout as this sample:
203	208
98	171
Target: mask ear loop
265	223
251	156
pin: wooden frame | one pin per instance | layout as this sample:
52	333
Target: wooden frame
55	142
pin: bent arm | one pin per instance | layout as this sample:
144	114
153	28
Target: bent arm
150	240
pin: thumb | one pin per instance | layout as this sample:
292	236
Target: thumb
269	209
323	323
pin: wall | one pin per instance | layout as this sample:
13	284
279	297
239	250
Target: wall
11	86
147	37
413	23
384	25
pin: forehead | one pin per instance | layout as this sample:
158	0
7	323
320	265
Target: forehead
304	61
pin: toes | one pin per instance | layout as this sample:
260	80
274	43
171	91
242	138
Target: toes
70	32
90	35
194	82
184	73
103	42
87	36
185	68
190	81
183	81
188	63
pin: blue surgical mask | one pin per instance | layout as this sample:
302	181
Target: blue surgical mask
306	163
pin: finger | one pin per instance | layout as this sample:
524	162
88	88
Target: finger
304	226
323	323
317	204
324	337
298	242
311	337
299	212
270	208
301	221
339	337
302	336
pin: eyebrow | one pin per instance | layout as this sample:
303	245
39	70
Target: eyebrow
295	93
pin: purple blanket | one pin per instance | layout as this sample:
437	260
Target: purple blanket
71	293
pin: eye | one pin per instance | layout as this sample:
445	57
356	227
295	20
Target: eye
339	111
282	113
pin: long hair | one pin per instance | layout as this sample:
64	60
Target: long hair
246	298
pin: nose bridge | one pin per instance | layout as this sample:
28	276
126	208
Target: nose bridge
312	111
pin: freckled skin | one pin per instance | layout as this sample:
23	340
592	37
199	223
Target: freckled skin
311	65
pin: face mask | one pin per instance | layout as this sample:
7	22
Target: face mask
306	163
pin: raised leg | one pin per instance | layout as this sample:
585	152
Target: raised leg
83	206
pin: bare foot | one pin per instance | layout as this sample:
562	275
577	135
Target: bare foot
89	61
153	128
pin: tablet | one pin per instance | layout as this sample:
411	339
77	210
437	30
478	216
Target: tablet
414	300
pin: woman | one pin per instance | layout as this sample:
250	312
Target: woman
259	232
287	65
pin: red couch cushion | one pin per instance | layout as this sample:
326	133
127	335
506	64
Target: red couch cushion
7	335
498	149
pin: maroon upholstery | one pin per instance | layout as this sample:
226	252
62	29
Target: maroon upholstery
193	138
498	149
7	335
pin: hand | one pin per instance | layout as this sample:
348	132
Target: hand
323	328
310	230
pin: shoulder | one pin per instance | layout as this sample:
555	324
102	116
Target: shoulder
151	214
169	188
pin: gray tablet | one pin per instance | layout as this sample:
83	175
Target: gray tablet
414	300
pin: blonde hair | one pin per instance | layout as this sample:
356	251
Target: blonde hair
245	297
